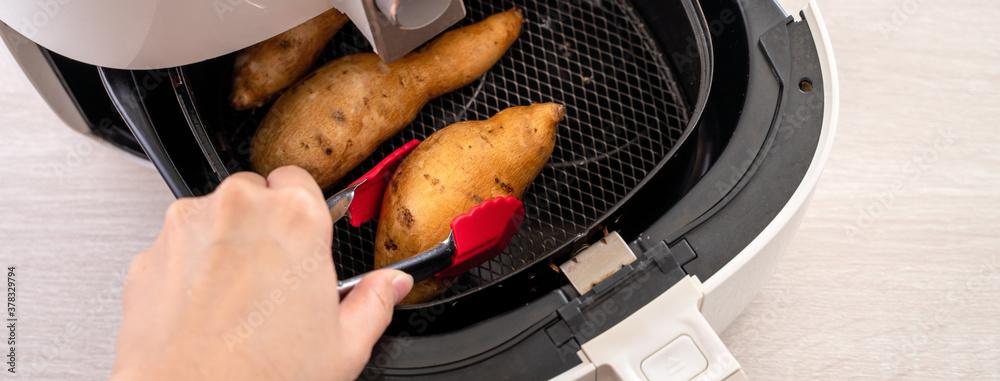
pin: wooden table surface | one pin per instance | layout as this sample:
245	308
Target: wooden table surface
894	274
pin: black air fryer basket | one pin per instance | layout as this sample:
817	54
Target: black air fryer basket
624	113
672	119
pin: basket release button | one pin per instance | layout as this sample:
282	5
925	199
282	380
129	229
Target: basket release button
680	360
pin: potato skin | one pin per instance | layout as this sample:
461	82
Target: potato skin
262	70
455	169
332	120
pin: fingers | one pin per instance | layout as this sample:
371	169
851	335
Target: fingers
367	310
230	198
302	200
249	178
292	176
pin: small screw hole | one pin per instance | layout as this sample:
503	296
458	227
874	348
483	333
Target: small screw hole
805	85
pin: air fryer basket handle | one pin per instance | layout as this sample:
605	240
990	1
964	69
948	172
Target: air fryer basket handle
667	337
121	87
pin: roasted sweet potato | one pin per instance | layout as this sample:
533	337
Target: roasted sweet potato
455	169
261	71
332	120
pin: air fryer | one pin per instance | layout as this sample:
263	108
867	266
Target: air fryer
694	135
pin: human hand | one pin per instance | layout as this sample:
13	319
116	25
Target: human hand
240	285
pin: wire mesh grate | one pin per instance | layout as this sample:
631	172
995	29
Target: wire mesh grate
623	115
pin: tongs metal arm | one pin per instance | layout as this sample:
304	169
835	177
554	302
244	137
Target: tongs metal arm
340	202
420	266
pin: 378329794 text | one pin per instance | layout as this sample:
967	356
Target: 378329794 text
11	320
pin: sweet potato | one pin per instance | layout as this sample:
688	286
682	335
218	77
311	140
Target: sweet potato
261	71
455	169
332	120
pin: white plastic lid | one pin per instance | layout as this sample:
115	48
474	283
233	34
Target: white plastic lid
413	14
152	34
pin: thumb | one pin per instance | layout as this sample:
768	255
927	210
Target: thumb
367	309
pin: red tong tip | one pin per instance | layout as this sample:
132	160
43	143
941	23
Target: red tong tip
367	202
483	232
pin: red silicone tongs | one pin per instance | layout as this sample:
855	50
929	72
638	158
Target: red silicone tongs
362	200
476	237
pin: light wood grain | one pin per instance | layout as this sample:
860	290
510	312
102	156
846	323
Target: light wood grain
914	292
907	287
73	213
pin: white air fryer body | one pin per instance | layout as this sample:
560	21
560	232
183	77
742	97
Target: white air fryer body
156	34
672	338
